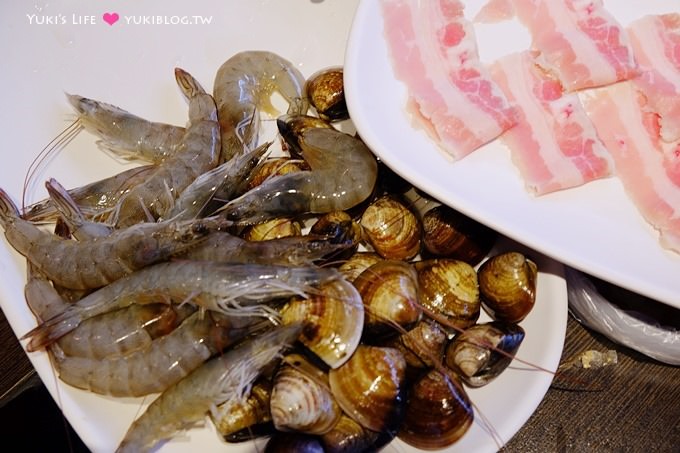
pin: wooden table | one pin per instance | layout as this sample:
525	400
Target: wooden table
632	406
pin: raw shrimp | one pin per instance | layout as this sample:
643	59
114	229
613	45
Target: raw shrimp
167	360
224	379
78	226
198	153
95	263
343	174
216	186
124	134
113	334
122	332
243	86
223	287
285	251
96	199
41	297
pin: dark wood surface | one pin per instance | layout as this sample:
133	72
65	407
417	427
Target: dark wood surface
630	406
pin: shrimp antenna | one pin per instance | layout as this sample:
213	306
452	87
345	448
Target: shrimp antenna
54	146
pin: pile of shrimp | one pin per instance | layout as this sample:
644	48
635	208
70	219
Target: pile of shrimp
179	278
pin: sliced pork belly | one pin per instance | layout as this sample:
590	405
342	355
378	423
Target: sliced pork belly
579	40
656	44
618	115
554	145
495	11
451	94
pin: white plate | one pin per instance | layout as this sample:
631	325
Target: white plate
131	66
594	228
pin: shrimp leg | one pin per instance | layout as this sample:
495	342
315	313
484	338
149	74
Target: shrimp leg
226	378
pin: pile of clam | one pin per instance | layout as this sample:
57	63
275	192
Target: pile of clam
389	350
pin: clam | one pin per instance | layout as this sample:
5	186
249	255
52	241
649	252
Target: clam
273	167
449	290
291	128
339	228
389	290
347	436
289	442
391	228
301	399
243	421
450	234
333	321
357	263
483	351
438	412
272	229
423	345
326	92
370	387
507	285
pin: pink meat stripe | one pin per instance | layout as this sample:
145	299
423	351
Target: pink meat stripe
451	95
656	44
579	40
621	123
554	145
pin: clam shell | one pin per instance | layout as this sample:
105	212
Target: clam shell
301	399
422	346
449	289
370	387
291	128
507	285
474	354
272	229
347	436
289	442
333	321
339	228
230	419
326	92
389	290
391	229
273	167
449	234
358	263
438	412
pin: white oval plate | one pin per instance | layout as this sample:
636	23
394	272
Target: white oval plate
594	228
132	66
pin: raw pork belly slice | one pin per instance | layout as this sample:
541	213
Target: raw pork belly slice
656	44
434	52
579	40
617	114
554	145
495	11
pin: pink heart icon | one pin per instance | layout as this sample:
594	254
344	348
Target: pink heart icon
111	18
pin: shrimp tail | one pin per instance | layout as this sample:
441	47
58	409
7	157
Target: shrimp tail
7	207
187	83
51	330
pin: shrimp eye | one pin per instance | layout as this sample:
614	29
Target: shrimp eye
200	228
